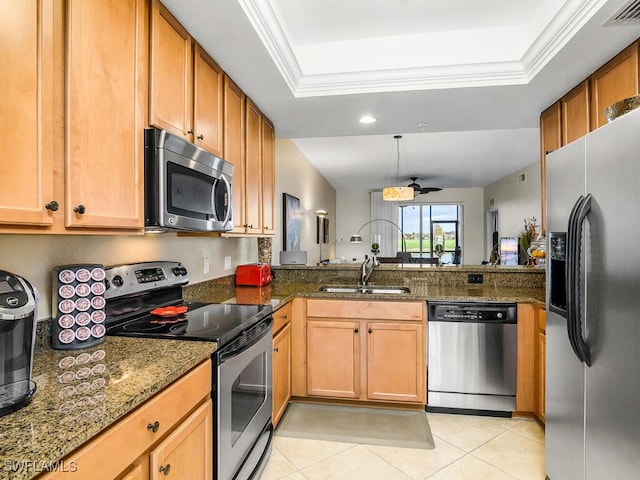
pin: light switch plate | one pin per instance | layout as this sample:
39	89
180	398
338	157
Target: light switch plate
227	263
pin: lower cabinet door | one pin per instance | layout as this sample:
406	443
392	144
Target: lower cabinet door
396	362
187	453
333	358
281	372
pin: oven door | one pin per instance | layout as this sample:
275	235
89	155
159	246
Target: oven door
243	406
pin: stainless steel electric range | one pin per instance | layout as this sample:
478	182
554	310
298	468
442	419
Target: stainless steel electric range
145	300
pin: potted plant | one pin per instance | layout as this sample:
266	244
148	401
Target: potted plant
528	235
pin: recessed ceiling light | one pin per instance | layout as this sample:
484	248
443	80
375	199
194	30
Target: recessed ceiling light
422	125
367	119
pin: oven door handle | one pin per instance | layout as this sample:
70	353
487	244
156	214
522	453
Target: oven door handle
245	341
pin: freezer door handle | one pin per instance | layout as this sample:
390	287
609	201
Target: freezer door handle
583	348
570	277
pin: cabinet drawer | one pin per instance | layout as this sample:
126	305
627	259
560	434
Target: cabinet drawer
281	317
109	453
370	310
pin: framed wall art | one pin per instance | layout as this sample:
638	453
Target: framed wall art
291	223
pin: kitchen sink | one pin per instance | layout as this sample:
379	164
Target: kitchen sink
371	289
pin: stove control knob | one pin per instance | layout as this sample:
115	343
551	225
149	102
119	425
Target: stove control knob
499	315
117	281
107	284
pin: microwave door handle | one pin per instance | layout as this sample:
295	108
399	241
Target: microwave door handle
570	277
227	185
581	215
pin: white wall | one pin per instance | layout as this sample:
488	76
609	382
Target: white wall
515	200
354	210
34	256
296	176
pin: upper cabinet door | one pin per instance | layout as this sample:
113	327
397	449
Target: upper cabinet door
253	169
207	107
575	113
171	74
105	105
616	80
234	151
268	177
26	111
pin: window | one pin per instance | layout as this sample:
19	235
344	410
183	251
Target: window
431	230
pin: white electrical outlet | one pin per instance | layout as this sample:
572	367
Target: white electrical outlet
227	263
205	266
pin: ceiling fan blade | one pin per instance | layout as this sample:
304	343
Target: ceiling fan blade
430	189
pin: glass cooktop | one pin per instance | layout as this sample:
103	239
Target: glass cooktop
206	322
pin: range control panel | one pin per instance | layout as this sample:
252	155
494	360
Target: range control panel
473	312
141	277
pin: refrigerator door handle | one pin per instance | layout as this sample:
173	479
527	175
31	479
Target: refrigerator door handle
585	351
570	277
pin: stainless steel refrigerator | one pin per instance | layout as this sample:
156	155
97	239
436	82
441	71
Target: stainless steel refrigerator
593	305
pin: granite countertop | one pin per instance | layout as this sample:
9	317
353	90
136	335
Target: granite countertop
279	293
65	412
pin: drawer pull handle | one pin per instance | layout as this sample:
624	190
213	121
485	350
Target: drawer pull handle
154	427
356	330
165	469
276	349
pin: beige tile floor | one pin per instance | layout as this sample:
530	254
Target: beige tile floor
467	448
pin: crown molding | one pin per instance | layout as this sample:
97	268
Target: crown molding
558	31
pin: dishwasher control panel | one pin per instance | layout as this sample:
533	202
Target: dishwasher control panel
473	312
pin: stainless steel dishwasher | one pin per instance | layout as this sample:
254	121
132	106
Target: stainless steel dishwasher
472	357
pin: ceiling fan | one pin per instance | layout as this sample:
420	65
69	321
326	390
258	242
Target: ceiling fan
419	190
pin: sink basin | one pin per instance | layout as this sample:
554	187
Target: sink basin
371	289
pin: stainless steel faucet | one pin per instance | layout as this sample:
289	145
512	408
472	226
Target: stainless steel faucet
366	269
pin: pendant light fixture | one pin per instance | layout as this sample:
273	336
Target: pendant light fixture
397	193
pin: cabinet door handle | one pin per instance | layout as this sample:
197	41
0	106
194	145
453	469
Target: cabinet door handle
165	469
153	426
276	349
370	331
80	209
190	132
284	317
200	137
52	205
356	330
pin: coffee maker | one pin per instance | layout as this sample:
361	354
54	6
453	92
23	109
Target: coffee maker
18	316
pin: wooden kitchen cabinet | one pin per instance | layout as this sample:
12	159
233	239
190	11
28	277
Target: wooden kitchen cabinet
183	453
550	140
26	111
614	81
576	113
105	116
186	85
526	361
268	177
82	133
253	169
541	356
366	350
281	361
394	367
333	358
234	149
181	416
254	199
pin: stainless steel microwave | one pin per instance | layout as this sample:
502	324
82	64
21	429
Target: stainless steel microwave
186	187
